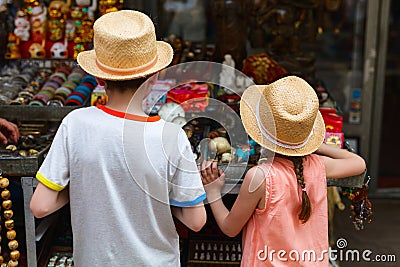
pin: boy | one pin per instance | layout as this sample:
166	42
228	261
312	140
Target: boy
120	169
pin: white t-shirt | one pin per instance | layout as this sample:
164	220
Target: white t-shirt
123	175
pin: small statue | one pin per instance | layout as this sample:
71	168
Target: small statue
12	49
36	50
22	26
38	19
59	50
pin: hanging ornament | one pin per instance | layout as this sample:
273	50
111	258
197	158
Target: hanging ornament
8	225
361	206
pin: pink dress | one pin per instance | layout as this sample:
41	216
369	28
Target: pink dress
274	236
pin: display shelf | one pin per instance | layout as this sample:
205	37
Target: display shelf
35	113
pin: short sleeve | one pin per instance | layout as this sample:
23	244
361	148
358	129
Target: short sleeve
54	171
186	188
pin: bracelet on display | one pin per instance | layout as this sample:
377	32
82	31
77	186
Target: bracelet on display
59	75
62	69
76	77
83	90
63	91
75	97
90	79
51	84
73	102
70	84
55	103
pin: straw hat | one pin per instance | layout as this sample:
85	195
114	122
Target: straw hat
283	116
125	47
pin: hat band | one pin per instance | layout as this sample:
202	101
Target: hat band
273	140
126	71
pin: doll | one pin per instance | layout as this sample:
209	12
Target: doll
36	50
59	50
12	50
38	21
22	26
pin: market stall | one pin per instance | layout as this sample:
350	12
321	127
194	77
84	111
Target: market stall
40	83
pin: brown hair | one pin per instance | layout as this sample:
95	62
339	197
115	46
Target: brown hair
124	85
306	204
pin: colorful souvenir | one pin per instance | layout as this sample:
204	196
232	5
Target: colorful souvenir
107	6
22	26
12	49
37	50
59	50
38	21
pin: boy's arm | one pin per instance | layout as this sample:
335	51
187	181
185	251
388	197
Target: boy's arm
46	201
194	217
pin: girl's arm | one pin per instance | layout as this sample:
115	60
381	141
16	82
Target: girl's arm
340	163
250	194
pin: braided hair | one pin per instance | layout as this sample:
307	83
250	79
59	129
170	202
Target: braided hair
306	204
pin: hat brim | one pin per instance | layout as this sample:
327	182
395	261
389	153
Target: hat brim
248	103
87	61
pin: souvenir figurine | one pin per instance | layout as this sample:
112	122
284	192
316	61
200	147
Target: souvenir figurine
36	50
87	31
12	49
57	14
220	144
22	26
87	5
38	21
78	47
106	6
70	30
59	50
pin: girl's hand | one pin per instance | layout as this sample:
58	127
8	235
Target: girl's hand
212	178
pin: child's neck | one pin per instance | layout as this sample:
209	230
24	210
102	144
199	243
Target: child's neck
127	101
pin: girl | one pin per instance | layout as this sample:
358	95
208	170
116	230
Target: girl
282	203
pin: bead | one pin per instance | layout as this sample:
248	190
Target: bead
8	214
1	260
7	204
13	244
12	263
4	182
5	194
9	224
11	234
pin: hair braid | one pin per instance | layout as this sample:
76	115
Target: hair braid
305	205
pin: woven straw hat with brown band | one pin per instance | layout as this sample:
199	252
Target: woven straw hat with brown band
283	116
125	47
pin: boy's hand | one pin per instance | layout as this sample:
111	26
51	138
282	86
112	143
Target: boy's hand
212	178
